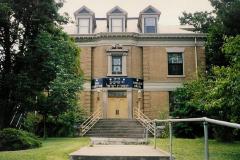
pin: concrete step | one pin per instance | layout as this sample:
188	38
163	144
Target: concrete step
118	141
117	128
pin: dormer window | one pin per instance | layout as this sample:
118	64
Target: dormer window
84	26
117	20
148	20
117	24
85	19
150	25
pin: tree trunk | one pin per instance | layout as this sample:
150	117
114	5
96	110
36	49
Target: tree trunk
44	127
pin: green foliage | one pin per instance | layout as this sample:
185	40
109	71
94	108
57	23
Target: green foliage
13	139
21	67
201	21
31	122
223	21
185	105
62	59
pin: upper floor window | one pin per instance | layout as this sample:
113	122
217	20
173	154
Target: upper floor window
116	64
117	25
84	26
150	25
175	64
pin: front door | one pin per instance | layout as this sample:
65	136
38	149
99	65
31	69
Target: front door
117	105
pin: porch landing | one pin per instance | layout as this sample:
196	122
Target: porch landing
119	152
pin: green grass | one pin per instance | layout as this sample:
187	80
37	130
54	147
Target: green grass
183	149
52	149
193	149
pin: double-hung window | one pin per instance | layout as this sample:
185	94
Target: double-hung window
175	64
84	26
150	25
117	24
116	64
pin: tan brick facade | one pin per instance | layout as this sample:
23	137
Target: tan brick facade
143	56
149	63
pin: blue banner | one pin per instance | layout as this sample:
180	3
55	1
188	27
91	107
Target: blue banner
117	82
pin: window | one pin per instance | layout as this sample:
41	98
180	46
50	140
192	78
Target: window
150	25
117	25
116	64
175	64
84	26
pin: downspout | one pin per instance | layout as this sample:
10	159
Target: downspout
196	56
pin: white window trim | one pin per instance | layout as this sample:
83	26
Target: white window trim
124	63
175	50
143	22
90	24
117	17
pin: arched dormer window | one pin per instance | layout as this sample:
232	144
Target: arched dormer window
148	20
117	20
85	20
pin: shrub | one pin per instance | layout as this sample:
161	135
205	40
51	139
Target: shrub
13	139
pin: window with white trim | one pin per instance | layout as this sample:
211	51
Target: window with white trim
84	26
117	25
150	25
175	64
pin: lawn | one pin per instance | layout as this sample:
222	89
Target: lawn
193	149
52	149
183	149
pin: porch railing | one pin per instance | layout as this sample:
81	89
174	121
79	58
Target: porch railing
205	122
144	120
91	121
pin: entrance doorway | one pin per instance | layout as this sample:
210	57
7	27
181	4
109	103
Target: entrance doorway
117	105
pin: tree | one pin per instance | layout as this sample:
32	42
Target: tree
63	59
201	21
216	95
23	73
226	22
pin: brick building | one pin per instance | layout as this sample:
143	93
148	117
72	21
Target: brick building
133	62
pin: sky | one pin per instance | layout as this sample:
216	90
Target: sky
170	9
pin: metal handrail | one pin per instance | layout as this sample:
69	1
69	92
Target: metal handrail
144	120
91	121
205	121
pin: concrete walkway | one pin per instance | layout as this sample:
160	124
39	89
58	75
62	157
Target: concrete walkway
140	152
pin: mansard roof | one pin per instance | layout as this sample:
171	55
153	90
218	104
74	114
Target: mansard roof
84	11
117	11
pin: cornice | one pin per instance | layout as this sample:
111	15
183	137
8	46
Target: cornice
138	36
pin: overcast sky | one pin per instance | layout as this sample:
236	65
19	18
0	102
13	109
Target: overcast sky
170	9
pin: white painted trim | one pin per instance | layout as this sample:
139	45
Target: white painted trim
161	86
141	43
176	76
175	49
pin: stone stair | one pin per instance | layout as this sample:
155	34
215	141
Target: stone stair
117	128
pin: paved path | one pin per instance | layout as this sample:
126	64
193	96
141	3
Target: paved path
120	150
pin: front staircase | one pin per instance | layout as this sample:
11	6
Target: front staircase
117	128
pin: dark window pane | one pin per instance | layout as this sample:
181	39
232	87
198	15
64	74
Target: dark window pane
175	64
150	29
